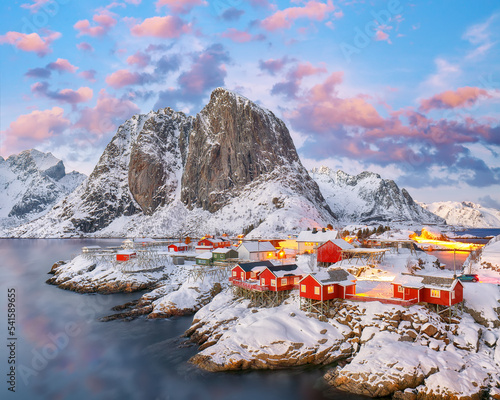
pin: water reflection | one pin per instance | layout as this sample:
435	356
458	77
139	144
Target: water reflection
63	352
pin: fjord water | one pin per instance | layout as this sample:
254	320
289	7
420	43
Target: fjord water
64	352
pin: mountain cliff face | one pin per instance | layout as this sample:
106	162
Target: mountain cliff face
466	214
31	182
230	168
368	198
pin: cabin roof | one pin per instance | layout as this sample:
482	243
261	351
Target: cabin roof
254	247
247	267
341	243
281	271
224	250
319	236
337	275
428	281
207	255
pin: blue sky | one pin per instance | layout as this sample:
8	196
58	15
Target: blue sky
408	90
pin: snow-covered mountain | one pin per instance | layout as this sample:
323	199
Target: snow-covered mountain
31	182
231	168
367	197
466	214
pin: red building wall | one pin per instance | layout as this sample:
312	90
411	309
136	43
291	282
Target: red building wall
338	292
240	273
124	257
329	252
396	293
266	276
177	248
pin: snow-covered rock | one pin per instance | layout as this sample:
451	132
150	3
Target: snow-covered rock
367	198
466	214
31	182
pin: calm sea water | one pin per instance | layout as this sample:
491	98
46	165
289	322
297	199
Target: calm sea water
63	352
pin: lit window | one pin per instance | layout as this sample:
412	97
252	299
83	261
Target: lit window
273	282
330	289
234	273
316	289
283	281
316	243
263	281
296	280
435	293
303	288
400	289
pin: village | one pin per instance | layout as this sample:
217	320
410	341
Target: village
317	264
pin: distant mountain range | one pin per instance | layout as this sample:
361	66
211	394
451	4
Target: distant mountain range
465	214
367	198
31	183
231	168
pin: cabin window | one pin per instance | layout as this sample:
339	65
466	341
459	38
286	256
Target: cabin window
303	288
234	273
283	281
296	280
254	275
316	243
435	293
400	289
316	289
453	295
273	282
263	281
330	289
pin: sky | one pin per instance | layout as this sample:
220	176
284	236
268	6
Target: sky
407	90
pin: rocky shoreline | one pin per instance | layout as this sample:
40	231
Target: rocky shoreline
376	350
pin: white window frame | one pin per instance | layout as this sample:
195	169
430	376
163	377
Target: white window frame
284	281
303	288
331	289
400	289
273	282
316	290
436	293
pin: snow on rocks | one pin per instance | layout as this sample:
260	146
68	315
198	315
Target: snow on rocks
86	276
234	336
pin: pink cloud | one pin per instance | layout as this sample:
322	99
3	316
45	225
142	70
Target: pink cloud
30	42
70	96
84	46
88	75
306	69
168	27
323	109
28	130
274	65
180	6
62	65
106	115
290	87
122	77
139	58
104	21
240	36
35	6
283	19
462	97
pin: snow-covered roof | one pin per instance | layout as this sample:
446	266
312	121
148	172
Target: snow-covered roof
247	267
319	236
224	250
337	275
254	247
341	243
207	255
428	281
126	252
178	244
286	270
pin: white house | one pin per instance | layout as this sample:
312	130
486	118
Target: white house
309	241
256	251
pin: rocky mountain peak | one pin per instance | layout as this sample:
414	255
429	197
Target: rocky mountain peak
233	142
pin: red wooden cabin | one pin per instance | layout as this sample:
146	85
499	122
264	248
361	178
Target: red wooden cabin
328	285
281	277
175	247
331	251
428	289
250	270
125	255
214	243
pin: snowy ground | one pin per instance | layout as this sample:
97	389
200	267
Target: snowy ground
486	262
